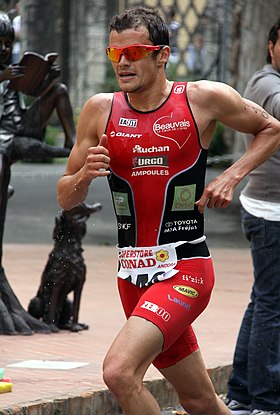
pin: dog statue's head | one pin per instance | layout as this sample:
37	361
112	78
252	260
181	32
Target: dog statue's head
73	221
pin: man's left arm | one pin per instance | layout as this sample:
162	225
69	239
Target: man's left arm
247	117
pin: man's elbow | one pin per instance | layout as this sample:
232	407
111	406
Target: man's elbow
62	202
65	204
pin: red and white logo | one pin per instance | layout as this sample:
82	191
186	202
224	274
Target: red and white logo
179	89
166	127
154	308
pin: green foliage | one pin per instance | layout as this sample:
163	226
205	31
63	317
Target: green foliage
171	71
218	146
51	136
76	115
111	84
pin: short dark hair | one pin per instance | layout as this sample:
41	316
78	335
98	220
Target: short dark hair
273	37
142	16
6	27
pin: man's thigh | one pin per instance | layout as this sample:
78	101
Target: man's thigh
135	347
172	305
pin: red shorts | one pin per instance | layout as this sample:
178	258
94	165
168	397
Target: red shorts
172	305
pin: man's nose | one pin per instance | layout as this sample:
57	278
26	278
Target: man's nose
123	59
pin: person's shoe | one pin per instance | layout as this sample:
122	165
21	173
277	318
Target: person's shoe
238	408
261	412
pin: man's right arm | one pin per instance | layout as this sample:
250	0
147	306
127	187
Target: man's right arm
89	157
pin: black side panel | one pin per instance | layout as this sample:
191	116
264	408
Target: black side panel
122	197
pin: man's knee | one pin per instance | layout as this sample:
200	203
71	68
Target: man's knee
118	377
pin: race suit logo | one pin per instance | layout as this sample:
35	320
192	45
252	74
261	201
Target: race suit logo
193	278
144	258
185	225
176	131
127	122
184	197
160	161
154	308
187	291
121	203
153	149
179	89
124	226
180	302
124	135
157	172
162	255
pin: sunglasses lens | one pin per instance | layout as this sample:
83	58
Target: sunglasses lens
136	52
133	53
114	54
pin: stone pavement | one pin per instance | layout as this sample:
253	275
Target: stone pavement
81	390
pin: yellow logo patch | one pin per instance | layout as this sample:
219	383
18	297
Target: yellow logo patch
162	255
187	291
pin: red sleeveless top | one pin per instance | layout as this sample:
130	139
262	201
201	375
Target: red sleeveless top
157	171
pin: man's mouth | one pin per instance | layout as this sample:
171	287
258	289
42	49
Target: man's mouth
126	75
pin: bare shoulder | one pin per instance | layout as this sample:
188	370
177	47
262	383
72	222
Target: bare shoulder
94	115
215	101
99	102
211	91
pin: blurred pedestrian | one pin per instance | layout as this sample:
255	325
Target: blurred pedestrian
254	384
173	27
196	57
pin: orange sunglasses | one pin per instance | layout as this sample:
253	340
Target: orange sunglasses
132	53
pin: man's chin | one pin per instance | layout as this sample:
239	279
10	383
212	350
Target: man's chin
126	84
127	87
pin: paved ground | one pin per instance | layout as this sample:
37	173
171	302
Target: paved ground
216	327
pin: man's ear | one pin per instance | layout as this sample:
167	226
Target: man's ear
270	47
163	55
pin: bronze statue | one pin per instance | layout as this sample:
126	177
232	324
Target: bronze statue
22	136
64	272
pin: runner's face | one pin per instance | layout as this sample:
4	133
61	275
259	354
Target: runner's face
133	76
275	53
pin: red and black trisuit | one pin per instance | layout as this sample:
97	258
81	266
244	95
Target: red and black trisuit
157	173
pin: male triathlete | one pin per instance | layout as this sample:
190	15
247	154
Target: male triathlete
151	141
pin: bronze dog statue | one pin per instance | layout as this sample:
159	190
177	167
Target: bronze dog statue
64	272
